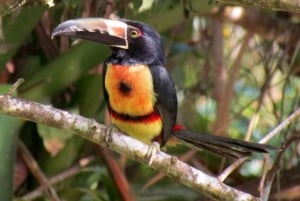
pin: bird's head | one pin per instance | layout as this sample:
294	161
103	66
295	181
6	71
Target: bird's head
131	41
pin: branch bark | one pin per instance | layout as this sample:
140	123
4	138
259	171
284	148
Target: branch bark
92	131
283	5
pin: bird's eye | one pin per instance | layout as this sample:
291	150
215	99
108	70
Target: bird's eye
135	33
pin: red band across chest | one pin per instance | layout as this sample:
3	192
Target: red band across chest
151	117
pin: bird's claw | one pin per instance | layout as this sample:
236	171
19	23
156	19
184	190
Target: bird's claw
109	130
153	149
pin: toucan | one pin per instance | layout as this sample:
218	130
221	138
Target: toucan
139	93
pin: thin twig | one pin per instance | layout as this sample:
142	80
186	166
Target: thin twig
231	168
60	177
37	172
118	176
267	138
15	86
229	94
280	127
264	173
267	183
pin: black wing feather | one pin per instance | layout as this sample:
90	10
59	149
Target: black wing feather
166	103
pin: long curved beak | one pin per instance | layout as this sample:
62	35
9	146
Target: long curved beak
109	32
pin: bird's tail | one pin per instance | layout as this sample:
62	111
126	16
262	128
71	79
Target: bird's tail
221	145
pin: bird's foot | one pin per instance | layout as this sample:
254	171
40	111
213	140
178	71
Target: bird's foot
109	130
153	149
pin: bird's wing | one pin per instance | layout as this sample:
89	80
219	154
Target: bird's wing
166	103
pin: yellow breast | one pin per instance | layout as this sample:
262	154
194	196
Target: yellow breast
130	89
144	131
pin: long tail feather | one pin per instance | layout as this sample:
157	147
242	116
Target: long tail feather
221	145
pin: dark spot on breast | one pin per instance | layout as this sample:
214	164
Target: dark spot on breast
125	88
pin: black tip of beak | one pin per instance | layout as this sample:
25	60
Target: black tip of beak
77	29
67	28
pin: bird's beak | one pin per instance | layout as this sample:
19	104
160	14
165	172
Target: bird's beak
109	32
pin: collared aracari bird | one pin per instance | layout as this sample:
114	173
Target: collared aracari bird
139	92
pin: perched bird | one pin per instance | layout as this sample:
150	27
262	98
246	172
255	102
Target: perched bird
140	94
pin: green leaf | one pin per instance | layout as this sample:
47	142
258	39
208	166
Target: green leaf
64	159
62	149
63	71
16	27
90	94
86	194
165	15
54	139
9	127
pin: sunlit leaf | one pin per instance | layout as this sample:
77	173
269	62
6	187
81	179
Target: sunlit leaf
147	4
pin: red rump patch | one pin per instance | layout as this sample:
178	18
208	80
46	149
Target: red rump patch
177	127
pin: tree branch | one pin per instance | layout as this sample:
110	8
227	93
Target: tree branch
92	131
283	5
267	26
